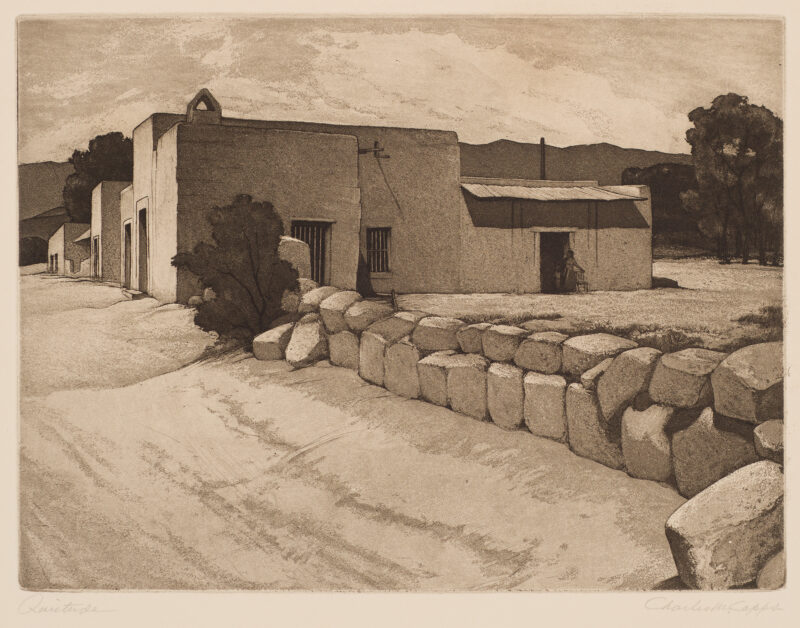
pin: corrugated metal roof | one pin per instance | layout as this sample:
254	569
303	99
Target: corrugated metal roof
580	193
84	236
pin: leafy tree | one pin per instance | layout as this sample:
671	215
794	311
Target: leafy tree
669	183
109	158
738	157
242	267
32	251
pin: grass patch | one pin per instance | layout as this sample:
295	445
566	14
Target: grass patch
764	326
768	317
497	318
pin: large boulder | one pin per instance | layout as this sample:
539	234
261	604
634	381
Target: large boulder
413	316
590	378
437	333
506	395
544	407
748	384
306	285
646	446
371	354
432	373
704	453
312	299
395	327
343	348
581	353
722	537
376	340
564	325
628	375
308	343
541	352
297	253
773	574
500	342
466	384
333	308
361	315
470	338
768	440
681	379
400	369
271	345
589	437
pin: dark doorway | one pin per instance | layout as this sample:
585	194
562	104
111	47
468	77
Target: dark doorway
96	257
552	246
315	234
126	280
143	250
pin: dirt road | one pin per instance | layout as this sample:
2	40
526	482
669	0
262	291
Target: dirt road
142	467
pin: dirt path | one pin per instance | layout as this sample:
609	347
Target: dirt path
235	473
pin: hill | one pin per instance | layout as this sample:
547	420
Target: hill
43	225
603	163
40	186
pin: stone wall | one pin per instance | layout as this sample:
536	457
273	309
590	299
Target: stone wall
706	423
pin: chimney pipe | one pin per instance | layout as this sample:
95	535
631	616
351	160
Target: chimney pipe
542	171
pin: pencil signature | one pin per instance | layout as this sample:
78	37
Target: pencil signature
41	604
668	604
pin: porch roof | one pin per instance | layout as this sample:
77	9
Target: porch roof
536	193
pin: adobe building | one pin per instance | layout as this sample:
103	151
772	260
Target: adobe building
381	208
68	249
105	231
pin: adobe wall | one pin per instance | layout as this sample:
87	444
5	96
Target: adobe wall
306	176
96	227
162	223
62	242
415	191
105	223
143	151
125	215
76	252
55	245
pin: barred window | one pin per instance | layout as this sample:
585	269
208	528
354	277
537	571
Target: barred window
378	249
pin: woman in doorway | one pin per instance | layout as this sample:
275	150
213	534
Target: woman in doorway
569	272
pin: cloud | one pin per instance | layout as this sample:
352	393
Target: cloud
572	81
402	78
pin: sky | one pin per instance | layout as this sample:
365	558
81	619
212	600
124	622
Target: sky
626	81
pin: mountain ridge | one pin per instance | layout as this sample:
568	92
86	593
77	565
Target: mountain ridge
602	162
40	185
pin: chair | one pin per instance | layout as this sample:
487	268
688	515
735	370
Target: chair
581	285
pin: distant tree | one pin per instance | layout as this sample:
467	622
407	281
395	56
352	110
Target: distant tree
738	157
667	183
32	251
242	267
109	158
708	221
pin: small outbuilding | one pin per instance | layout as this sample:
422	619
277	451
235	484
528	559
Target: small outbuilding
520	231
68	249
